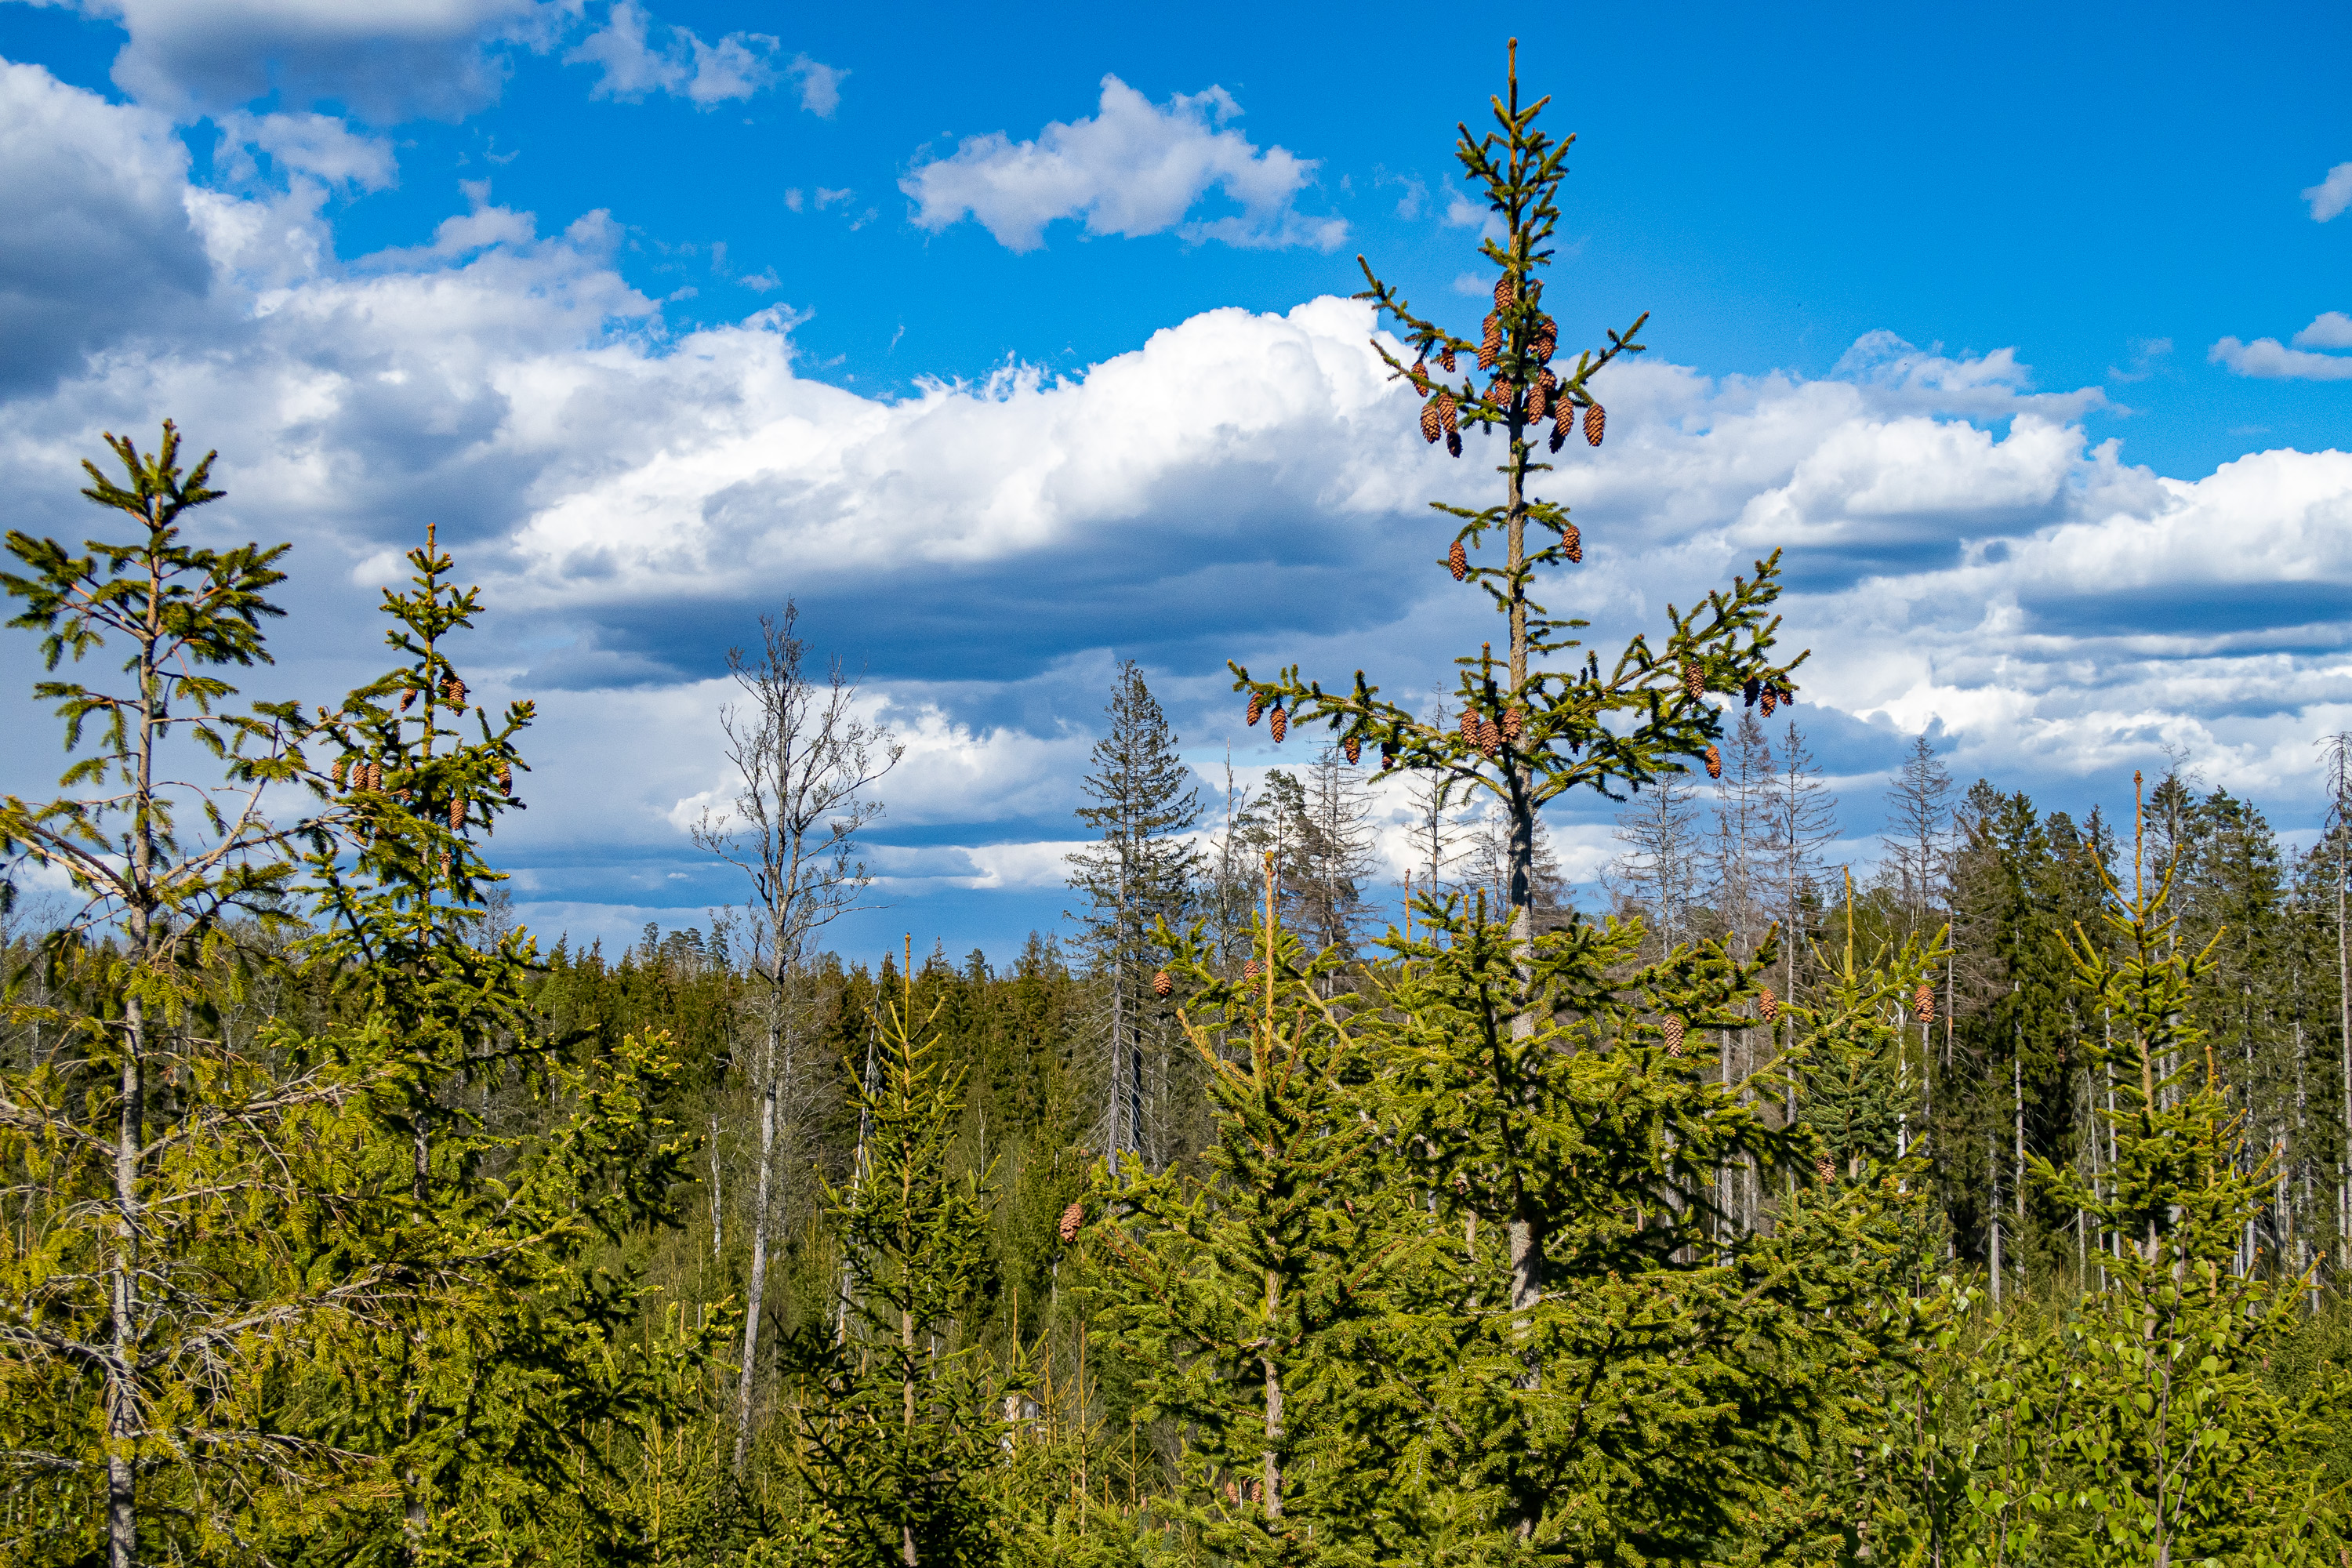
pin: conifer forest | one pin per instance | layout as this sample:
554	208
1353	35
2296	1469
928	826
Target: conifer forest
1993	1205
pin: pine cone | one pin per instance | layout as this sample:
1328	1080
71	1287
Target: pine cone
1546	341
1446	359
1162	984
505	777
1748	692
406	698
1249	970
1388	758
1490	736
1769	700
1559	432
1506	292
1257	706
376	775
1594	421
1539	400
1429	423
457	814
1279	722
342	765
1470	726
1768	1005
1513	724
1072	1217
1498	392
1694	679
1571	542
1419	376
1447	414
445	862
1674	1033
1453	444
454	690
1825	1169
1352	748
1714	763
1457	561
1490	345
1923	1003
1788	695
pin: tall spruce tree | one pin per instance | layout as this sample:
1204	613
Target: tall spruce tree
1541	721
1139	872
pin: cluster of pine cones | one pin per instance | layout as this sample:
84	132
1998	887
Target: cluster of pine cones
1441	416
1279	722
1770	697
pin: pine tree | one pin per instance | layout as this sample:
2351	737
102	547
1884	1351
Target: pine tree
1142	871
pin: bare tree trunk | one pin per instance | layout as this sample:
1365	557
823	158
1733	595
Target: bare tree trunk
762	1193
1271	1481
122	1423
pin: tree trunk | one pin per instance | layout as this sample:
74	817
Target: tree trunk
122	1423
1272	1480
762	1191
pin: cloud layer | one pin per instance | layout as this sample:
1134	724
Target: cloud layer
1962	558
1135	168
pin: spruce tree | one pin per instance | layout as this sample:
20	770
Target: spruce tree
1541	718
1139	872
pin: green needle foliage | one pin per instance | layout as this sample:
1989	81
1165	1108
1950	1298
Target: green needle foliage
1254	1301
1541	721
896	1442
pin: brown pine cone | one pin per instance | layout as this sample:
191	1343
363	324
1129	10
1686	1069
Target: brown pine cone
1162	984
1923	1003
1470	726
1571	542
1674	1033
1498	392
1513	724
1788	695
1447	414
1388	758
1419	376
454	690
376	775
1714	763
1506	292
1747	691
1490	343
505	777
1453	443
1490	736
1279	722
1257	706
1352	748
1457	561
1539	399
1768	1005
1249	970
1429	430
1694	679
1446	359
1594	422
1825	1169
457	813
406	698
342	765
1546	341
1559	433
1072	1217
1769	700
445	862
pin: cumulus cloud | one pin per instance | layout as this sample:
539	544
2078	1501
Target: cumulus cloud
386	61
2268	359
319	146
98	238
738	66
1962	554
2332	194
1135	168
2328	330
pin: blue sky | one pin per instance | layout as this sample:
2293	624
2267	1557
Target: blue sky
1014	348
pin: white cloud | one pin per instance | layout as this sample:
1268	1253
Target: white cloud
820	85
1133	169
2332	194
738	66
2328	330
387	60
315	144
2270	360
1243	485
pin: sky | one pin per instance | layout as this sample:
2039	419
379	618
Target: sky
1011	346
